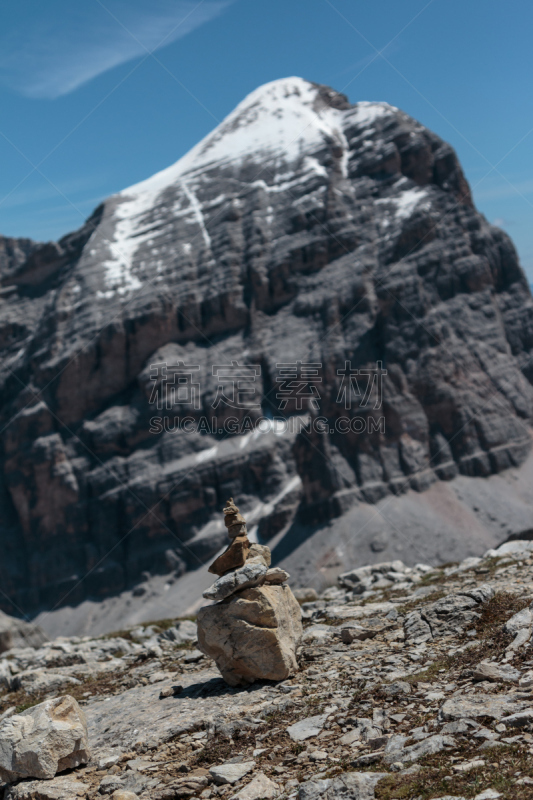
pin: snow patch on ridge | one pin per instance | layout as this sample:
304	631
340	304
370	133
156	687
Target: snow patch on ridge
197	211
128	236
366	112
405	203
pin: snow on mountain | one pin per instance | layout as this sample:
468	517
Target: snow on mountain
277	126
280	121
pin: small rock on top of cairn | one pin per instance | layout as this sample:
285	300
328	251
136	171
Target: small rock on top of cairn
234	520
237	552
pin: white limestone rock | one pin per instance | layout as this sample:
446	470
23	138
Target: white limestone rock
307	728
260	788
43	740
231	772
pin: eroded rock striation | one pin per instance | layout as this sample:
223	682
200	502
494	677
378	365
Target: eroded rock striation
253	632
302	229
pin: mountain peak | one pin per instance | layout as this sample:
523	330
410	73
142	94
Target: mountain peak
277	123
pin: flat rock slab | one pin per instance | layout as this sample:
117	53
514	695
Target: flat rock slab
348	786
248	575
261	788
358	612
398	688
451	797
480	705
130	781
231	772
35	681
351	737
447	616
427	747
307	728
496	673
62	788
520	719
138	715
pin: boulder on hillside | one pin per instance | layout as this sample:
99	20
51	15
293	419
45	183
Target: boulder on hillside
252	635
43	740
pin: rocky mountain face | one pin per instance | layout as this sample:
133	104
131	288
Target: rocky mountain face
302	230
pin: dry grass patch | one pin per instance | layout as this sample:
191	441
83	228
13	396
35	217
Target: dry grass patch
437	779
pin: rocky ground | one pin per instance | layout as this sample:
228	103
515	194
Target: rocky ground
412	683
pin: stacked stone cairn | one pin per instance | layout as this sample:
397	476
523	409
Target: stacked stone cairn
254	626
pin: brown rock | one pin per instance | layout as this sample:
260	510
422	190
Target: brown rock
252	635
234	556
306	595
349	635
121	794
237	530
234	519
276	575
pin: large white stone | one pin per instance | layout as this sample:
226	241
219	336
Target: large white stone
43	740
252	635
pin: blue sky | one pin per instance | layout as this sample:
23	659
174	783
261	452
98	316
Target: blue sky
99	94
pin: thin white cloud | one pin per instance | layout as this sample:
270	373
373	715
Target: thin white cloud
43	191
70	43
502	222
513	189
